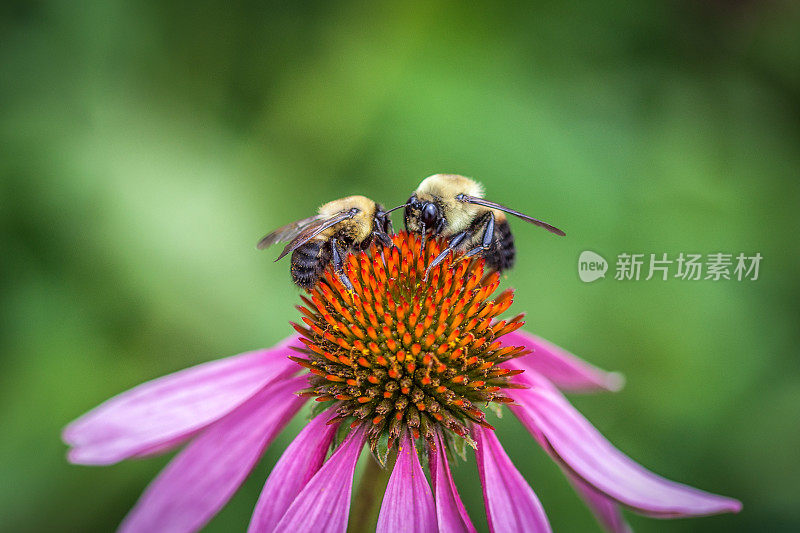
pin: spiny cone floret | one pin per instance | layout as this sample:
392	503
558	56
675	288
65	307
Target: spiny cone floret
400	351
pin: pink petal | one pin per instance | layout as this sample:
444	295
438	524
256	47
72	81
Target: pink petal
605	509
567	371
407	503
298	464
163	413
511	504
324	502
166	446
450	512
203	477
571	439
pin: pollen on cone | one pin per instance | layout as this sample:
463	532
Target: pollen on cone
404	351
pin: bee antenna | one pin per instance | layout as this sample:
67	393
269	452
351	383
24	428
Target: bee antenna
395	208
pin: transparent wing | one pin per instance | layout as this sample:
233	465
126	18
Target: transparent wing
492	205
314	229
286	233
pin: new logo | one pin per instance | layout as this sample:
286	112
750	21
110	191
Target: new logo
591	266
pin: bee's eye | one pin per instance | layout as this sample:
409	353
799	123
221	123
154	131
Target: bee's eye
429	214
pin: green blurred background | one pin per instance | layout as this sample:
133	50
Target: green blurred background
146	146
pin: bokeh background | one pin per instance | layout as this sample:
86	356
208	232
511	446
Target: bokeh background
146	146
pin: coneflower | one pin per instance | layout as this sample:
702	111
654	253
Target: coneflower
400	364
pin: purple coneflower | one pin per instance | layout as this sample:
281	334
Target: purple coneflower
400	365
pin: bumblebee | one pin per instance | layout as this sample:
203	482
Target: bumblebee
452	206
339	227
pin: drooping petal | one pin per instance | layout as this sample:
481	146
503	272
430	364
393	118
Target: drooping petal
567	371
571	439
511	505
203	477
163	413
407	503
325	500
605	509
298	464
450	512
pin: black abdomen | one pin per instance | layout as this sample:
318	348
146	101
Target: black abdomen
309	262
502	254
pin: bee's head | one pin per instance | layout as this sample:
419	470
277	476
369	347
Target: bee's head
424	214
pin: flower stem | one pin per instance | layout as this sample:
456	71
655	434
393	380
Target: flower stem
367	503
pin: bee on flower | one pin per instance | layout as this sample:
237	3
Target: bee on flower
399	359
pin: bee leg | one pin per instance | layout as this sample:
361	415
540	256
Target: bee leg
384	239
422	235
389	228
381	229
338	265
455	241
488	238
387	242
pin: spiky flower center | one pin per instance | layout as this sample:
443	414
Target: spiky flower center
401	351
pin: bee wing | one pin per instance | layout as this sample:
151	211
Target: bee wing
492	205
312	230
286	233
